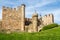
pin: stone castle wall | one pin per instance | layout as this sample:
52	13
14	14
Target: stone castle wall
14	20
48	19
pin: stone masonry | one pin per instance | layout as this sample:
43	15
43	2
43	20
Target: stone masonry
13	20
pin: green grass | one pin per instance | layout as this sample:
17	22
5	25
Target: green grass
50	26
50	34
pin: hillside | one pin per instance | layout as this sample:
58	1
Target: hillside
50	34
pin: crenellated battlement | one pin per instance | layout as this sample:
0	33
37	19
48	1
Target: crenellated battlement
4	7
49	18
13	19
19	8
8	9
48	15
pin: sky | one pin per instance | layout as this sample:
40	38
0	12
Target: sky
42	7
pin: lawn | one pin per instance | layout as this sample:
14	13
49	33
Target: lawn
50	34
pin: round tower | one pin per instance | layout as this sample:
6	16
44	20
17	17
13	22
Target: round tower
35	22
22	17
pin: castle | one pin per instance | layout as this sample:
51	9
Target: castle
14	20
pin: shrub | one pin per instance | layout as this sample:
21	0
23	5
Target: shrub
50	26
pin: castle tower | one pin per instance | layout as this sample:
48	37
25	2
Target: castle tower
22	17
35	22
5	18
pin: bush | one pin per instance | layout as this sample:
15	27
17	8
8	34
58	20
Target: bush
50	26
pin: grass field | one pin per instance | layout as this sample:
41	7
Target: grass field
50	34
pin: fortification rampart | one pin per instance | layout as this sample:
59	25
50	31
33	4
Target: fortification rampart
13	19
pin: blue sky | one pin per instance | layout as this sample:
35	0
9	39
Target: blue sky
41	6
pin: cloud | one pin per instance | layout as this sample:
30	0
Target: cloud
31	6
40	4
55	9
55	12
31	9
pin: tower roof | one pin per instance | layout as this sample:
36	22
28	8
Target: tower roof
23	5
35	15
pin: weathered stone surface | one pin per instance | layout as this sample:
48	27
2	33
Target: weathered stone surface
14	20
